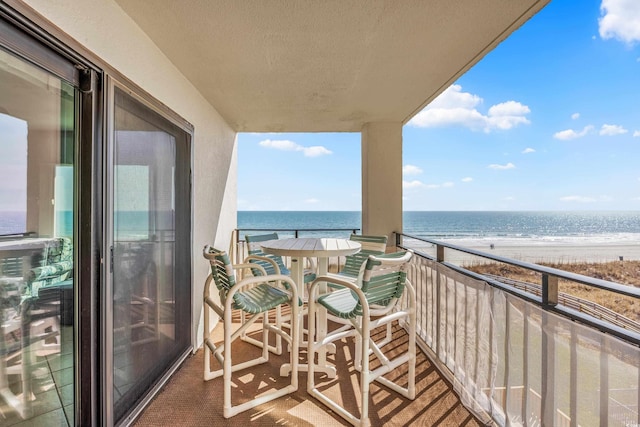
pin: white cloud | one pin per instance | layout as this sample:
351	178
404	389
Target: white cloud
502	167
467	179
620	20
286	145
411	170
575	116
315	151
579	199
408	185
528	150
568	134
312	200
612	130
509	198
454	107
636	133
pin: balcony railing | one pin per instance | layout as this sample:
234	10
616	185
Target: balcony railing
519	358
516	357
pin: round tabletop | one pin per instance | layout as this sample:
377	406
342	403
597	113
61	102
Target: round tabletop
311	247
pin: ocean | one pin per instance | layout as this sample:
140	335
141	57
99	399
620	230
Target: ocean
471	229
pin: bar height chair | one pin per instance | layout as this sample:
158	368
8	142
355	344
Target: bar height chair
362	307
371	245
255	296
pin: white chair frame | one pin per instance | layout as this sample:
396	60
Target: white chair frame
223	353
360	328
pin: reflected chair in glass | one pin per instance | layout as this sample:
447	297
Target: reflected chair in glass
361	307
56	266
135	295
255	296
14	377
48	289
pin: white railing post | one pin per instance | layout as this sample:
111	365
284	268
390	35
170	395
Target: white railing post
604	381
439	304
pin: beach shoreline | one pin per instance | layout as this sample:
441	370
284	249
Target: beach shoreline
540	253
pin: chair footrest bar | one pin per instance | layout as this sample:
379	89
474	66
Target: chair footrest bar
333	337
395	387
393	364
337	408
258	343
234	410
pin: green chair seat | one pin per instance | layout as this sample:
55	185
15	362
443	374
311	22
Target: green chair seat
259	299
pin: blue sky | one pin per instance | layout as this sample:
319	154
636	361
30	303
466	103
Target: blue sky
549	120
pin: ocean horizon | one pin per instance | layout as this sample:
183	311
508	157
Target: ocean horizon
464	228
469	228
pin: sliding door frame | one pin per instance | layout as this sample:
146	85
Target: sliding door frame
92	257
24	38
111	84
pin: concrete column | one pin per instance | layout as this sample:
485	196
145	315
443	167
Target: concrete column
382	179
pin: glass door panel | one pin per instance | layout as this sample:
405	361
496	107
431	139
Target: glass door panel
151	291
37	146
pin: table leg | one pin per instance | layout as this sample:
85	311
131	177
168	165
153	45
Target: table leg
297	274
321	319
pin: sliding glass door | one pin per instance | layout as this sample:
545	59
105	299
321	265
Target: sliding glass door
95	236
150	228
38	134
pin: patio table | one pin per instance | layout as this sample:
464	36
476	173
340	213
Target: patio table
323	249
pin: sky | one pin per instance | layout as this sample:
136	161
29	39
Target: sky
548	120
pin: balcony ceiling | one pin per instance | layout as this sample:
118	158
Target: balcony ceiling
325	66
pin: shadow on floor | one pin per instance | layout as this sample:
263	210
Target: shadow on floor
187	400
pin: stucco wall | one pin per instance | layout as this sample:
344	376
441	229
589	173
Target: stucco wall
103	28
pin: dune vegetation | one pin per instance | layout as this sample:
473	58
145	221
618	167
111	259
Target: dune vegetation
622	272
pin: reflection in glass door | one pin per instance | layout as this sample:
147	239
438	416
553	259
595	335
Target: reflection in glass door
37	146
151	291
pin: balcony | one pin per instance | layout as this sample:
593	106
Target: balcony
490	353
214	69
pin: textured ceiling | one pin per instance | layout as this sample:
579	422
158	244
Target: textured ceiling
321	66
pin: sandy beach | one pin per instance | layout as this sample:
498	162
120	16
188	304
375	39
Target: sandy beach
542	253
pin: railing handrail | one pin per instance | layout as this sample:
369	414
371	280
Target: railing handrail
607	327
10	236
575	277
580	304
296	231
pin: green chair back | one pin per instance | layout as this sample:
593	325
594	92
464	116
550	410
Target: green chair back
253	243
256	299
382	281
371	245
